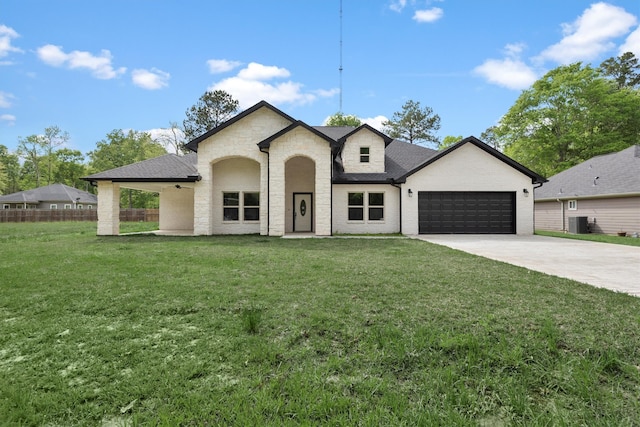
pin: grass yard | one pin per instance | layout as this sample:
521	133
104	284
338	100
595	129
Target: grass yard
250	330
602	238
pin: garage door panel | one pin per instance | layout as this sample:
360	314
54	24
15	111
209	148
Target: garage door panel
462	212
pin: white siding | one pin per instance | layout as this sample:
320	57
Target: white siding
341	223
468	168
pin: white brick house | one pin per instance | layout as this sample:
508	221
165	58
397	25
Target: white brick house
265	172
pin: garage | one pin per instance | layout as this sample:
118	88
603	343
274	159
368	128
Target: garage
466	212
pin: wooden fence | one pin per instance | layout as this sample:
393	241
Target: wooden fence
53	215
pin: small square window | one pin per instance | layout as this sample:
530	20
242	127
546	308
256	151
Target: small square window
53	206
79	206
573	205
67	206
364	154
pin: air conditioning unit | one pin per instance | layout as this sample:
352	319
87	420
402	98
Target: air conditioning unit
578	225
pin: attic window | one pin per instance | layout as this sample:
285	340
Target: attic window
364	154
573	205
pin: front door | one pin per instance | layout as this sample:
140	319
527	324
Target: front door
302	212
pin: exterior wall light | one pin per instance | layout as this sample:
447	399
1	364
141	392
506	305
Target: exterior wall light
526	192
410	193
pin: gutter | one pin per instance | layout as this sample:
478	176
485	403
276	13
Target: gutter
268	195
393	184
561	212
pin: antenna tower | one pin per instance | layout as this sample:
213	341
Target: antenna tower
340	69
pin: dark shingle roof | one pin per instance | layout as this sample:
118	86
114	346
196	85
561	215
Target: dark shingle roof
609	174
167	168
50	193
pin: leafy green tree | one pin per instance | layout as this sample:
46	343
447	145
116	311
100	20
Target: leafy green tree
53	137
340	119
69	167
11	167
3	178
32	150
625	70
448	141
489	137
120	149
568	116
414	124
211	110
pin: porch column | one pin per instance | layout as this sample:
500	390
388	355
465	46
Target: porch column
277	199
108	208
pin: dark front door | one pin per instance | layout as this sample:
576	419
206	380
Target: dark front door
466	212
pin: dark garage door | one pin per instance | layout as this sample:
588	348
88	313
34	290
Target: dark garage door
466	212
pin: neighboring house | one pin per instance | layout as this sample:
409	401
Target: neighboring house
54	196
265	172
604	189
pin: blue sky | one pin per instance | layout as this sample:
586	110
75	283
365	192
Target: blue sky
93	66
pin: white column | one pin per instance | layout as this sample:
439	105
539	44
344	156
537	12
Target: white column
108	208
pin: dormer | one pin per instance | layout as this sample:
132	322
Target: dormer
363	150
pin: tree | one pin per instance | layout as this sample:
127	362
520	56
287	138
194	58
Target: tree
413	124
32	150
624	69
53	137
69	167
568	116
11	167
339	119
211	110
172	139
120	149
448	141
489	137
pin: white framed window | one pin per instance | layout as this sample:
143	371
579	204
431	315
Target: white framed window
376	206
364	154
79	206
67	206
573	205
359	203
234	202
355	205
53	206
5	206
89	206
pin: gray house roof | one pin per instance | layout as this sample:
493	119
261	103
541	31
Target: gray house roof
612	175
50	193
167	168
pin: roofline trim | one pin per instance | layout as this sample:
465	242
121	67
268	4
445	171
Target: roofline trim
585	197
266	143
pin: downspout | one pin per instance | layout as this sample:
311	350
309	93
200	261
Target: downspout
393	184
561	211
268	195
331	196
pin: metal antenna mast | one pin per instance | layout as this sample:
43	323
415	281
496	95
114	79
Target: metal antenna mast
340	69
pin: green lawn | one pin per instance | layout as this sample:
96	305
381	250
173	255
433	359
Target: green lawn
149	330
603	238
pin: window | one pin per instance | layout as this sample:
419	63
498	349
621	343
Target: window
356	206
79	206
251	203
250	206
230	206
573	205
53	206
376	206
89	206
364	154
67	206
6	206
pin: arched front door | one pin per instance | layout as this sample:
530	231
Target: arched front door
302	212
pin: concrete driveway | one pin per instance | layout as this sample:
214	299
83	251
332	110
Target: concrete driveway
615	267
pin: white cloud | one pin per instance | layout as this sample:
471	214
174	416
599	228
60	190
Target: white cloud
6	35
255	71
511	73
398	5
252	84
429	15
374	122
591	34
5	99
217	66
150	79
99	65
9	118
632	44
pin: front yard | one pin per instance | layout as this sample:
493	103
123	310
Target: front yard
250	330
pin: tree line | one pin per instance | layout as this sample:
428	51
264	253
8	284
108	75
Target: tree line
572	113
